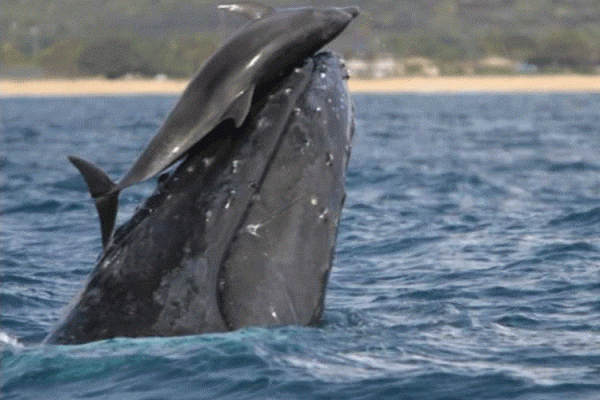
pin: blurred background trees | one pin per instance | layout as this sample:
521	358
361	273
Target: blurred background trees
114	38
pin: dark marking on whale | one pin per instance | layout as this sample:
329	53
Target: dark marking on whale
242	233
264	50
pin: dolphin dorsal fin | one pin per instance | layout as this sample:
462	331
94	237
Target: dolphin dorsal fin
249	9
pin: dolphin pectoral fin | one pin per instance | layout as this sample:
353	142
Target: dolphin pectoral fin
240	107
104	192
251	10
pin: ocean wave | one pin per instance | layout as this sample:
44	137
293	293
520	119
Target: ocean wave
391	246
560	250
13	134
7	340
590	217
48	206
577	166
466	264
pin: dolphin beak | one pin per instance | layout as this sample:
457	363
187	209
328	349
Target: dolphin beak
353	11
333	20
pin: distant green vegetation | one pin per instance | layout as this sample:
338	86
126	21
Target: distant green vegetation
173	37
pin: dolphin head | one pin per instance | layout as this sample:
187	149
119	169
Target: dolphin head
296	33
282	39
330	22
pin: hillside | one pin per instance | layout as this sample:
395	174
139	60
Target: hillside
148	37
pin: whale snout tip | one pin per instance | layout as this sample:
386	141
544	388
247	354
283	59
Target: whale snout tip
353	11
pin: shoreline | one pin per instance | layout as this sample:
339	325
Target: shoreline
416	84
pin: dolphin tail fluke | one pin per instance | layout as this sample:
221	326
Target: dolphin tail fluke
104	192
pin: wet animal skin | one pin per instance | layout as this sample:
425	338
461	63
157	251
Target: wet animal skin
242	232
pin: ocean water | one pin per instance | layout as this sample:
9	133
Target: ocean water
467	264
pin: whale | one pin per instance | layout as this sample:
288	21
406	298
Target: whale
269	46
242	232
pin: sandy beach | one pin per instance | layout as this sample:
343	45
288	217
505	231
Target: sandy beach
499	84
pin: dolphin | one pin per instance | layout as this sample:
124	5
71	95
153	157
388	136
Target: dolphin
242	232
268	47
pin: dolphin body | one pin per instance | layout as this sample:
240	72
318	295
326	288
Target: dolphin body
241	233
268	47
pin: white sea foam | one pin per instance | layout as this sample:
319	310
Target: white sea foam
6	339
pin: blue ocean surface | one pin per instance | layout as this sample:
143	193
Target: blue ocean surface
467	263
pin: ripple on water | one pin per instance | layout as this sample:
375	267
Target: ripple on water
466	264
